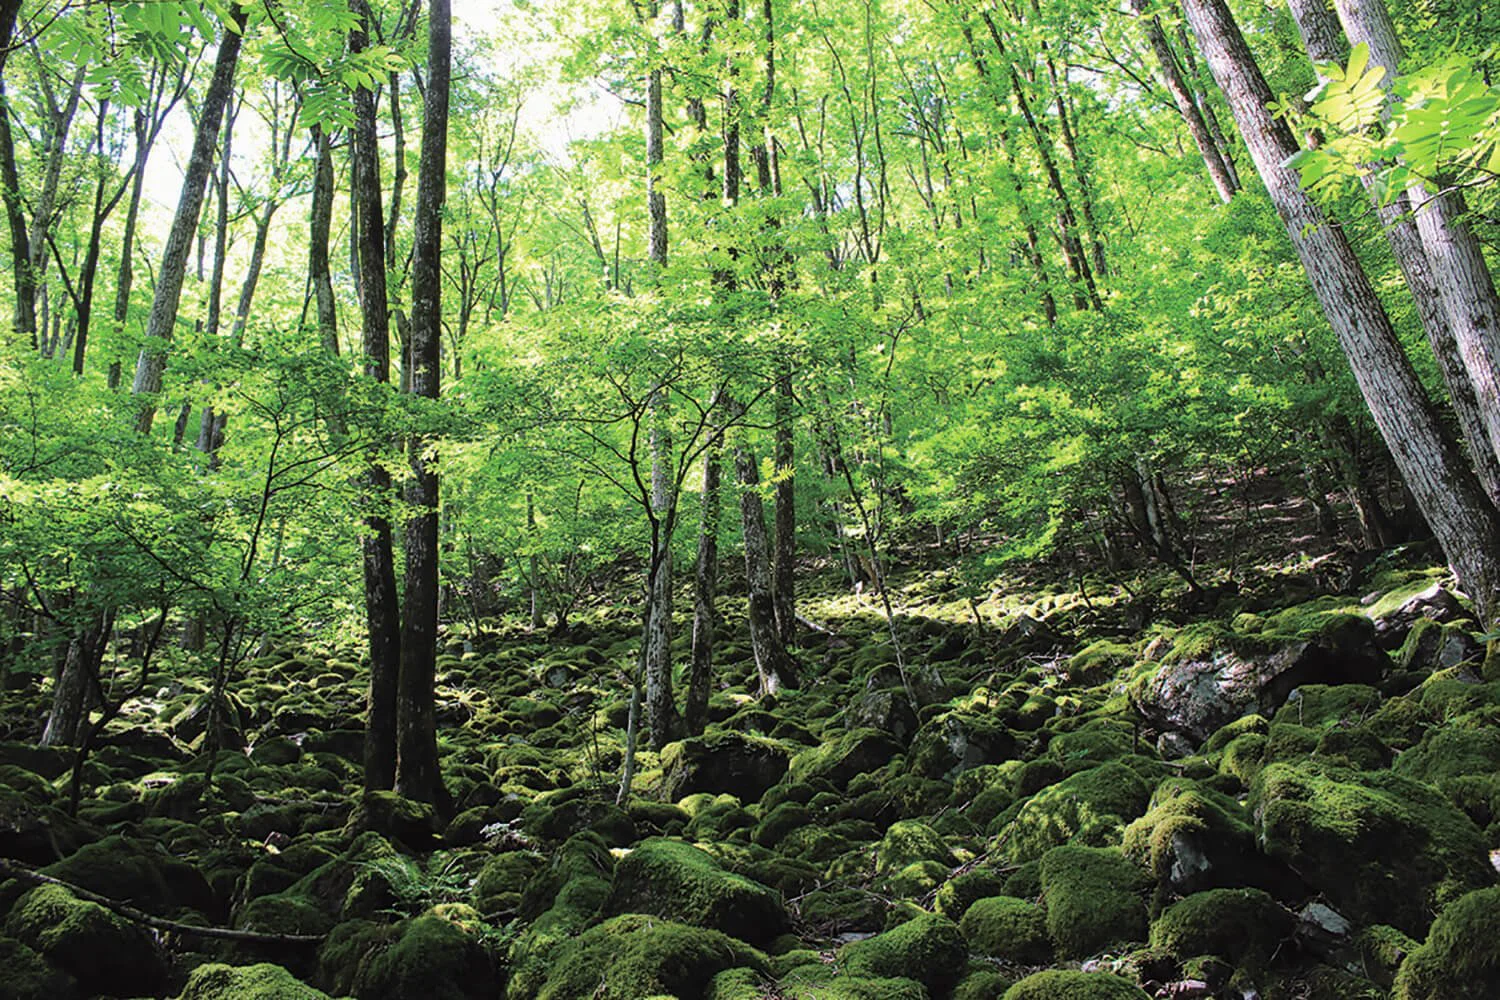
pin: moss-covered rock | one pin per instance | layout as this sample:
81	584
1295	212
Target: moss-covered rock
1008	928
1090	807
398	819
1461	957
437	956
669	878
553	817
729	762
249	982
1193	838
1469	745
105	953
634	956
856	752
828	982
136	872
1341	829
928	948
1244	927
1059	984
1094	899
960	892
956	741
907	842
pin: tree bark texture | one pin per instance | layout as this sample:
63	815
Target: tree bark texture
705	590
321	225
169	279
785	547
772	662
417	775
1466	524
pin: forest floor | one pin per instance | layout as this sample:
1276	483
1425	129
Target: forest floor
1082	794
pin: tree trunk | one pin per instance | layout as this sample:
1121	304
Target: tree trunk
159	327
318	272
785	548
1182	95
705	590
417	775
1452	501
70	698
660	707
772	662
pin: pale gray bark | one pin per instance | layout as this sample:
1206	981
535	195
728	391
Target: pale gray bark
1450	497
772	663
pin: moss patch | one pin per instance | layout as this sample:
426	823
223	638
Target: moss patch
250	982
1094	899
928	948
1008	928
1058	984
673	879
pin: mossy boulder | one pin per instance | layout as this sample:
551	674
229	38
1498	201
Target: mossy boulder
1094	899
1469	745
1008	928
437	956
907	842
1244	927
1193	838
136	872
856	752
828	982
635	956
776	823
889	710
1342	829
1091	807
669	878
553	817
264	981
28	976
742	765
962	891
928	948
1060	984
956	741
105	953
1213	676
503	878
1461	957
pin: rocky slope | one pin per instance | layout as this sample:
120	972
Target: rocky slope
1275	800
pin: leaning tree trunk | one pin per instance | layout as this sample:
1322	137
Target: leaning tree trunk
1458	268
772	662
318	272
153	357
1324	41
417	774
80	668
1450	497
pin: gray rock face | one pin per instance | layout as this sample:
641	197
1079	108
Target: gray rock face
1196	696
889	711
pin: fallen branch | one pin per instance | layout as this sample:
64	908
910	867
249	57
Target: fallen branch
19	871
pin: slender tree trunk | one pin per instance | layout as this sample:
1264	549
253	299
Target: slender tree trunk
785	547
318	271
159	327
660	707
705	589
1182	95
1451	499
252	271
10	189
417	774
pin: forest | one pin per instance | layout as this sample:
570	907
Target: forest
749	500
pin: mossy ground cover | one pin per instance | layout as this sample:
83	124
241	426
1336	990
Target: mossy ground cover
1021	821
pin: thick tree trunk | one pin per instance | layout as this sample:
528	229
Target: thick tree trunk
1452	501
659	704
705	590
70	698
774	665
153	357
1187	106
417	775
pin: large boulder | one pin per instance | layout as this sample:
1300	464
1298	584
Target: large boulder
957	741
929	949
1461	959
736	763
1213	683
672	879
105	953
854	753
1091	807
1095	900
889	710
248	982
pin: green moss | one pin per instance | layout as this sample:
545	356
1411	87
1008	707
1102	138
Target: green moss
398	819
634	956
1242	926
1057	984
29	977
907	842
553	817
1461	957
250	982
437	956
929	949
1186	817
829	982
1245	756
104	952
1226	734
1341	829
842	910
1008	928
960	892
1319	706
856	752
1094	900
669	878
284	913
503	878
1090	807
982	984
1382	949
1099	661
1451	751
